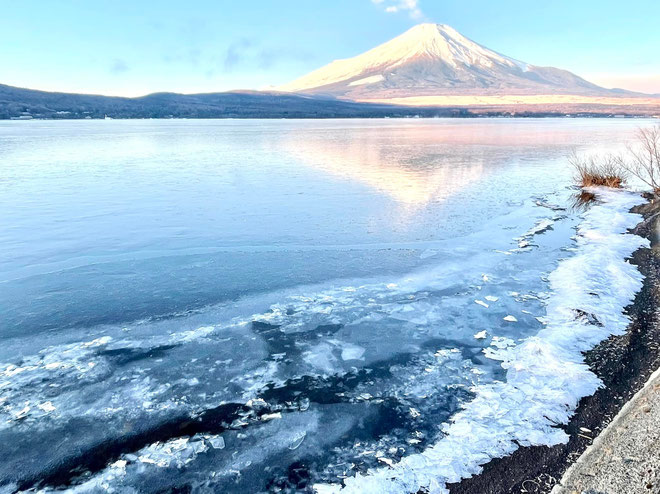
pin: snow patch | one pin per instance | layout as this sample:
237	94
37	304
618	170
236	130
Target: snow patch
368	80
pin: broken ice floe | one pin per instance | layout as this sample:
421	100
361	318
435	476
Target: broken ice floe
498	349
405	316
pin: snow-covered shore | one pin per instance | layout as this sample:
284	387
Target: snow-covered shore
546	374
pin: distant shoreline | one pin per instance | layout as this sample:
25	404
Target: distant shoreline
468	115
28	104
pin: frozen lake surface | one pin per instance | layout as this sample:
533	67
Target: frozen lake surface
267	306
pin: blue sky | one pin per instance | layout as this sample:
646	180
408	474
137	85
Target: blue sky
135	47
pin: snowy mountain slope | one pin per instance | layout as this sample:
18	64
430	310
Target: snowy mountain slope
435	59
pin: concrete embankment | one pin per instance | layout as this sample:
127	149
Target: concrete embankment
625	457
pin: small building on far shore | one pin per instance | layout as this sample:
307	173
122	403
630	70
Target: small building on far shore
23	116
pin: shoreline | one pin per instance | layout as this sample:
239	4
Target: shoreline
423	113
623	363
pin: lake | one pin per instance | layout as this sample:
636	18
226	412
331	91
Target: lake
272	305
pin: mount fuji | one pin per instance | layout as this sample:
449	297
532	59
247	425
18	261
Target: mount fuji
431	60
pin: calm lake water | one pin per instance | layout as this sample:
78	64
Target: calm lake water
249	306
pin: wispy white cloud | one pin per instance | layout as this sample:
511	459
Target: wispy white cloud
395	6
245	52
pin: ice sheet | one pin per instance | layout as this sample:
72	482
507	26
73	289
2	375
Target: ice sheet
545	374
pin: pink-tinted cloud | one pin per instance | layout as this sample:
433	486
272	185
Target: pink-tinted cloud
644	83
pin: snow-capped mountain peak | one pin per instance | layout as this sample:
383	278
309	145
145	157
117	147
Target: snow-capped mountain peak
432	59
443	43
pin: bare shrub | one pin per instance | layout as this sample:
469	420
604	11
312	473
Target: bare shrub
598	170
643	159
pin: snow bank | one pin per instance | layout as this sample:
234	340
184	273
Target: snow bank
546	375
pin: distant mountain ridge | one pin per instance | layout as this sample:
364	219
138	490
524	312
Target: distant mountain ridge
20	103
435	59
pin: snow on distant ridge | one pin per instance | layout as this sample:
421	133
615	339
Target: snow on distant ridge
546	375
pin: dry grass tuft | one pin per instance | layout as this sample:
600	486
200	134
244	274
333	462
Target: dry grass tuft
604	171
